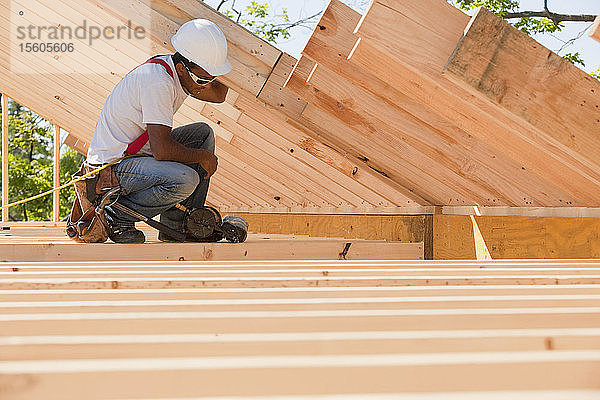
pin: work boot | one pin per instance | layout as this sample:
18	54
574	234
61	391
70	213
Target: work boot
235	229
126	234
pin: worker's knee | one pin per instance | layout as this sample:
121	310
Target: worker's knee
207	135
186	182
198	135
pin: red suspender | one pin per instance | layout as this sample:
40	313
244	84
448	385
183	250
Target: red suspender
141	141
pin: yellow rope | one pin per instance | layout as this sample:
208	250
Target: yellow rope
61	187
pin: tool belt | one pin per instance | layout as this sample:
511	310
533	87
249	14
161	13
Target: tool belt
86	223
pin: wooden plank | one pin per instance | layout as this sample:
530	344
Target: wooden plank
56	176
158	323
474	158
4	157
390	228
275	94
280	375
595	30
276	281
76	144
563	212
281	272
270	179
512	69
391	37
416	292
330	343
250	250
120	306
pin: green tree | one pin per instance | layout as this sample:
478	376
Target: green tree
31	165
258	18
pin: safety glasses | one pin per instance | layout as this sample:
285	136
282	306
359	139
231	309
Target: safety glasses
200	81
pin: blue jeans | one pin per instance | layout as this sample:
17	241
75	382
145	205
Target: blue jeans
153	187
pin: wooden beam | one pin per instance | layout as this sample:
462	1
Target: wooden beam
4	157
253	249
136	346
563	212
77	144
306	376
276	95
595	30
56	176
296	321
509	67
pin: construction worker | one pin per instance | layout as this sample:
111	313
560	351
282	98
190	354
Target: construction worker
137	118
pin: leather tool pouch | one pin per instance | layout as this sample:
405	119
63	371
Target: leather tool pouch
85	224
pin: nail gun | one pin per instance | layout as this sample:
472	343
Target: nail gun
206	223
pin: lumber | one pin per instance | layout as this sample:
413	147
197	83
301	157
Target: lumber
279	375
76	144
158	323
512	69
297	293
253	249
402	136
193	346
273	92
391	37
309	142
298	281
367	196
595	30
357	303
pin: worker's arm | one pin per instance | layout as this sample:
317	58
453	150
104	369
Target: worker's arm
214	92
165	148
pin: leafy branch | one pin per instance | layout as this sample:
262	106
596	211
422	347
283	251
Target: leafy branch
257	17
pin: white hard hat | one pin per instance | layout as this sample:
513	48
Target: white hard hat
203	43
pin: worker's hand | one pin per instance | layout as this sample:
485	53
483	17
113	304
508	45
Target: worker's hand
209	162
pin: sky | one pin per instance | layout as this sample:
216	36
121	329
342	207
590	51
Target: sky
586	46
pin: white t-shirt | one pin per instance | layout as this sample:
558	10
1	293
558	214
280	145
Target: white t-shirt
146	95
